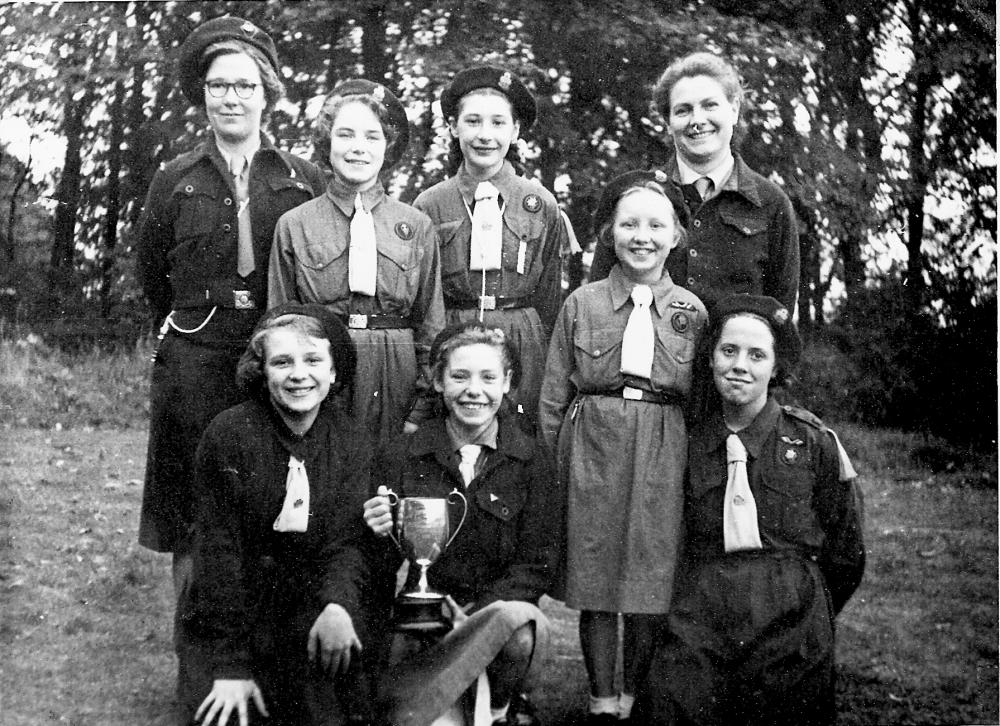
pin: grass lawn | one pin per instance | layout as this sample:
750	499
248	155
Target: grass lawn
86	613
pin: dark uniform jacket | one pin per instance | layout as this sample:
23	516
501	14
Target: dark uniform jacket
742	240
802	505
255	590
187	237
508	547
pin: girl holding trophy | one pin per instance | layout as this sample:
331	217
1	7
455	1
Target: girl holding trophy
502	557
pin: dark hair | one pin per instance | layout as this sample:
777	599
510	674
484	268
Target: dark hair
274	89
323	125
698	64
250	368
680	234
455	157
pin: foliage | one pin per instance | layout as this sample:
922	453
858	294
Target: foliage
891	369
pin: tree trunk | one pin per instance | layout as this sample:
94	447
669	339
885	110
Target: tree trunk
919	172
373	55
10	252
68	191
114	197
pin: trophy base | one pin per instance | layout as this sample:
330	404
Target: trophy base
421	614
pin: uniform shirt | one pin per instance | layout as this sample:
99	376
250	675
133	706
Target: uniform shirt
309	261
243	569
794	474
534	235
188	233
585	352
742	240
508	547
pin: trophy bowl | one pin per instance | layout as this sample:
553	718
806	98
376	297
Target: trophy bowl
422	533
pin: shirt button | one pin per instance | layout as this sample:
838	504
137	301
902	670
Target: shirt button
189	188
693	253
226	227
697	223
227	201
690	281
300	185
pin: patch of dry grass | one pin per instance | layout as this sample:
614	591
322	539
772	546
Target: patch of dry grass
86	623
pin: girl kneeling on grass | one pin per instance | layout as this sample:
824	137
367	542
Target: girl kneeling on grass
617	377
275	611
773	548
502	558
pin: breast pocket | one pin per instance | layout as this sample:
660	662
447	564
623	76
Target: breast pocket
598	355
195	224
286	193
786	502
749	249
674	356
522	250
399	271
501	508
454	252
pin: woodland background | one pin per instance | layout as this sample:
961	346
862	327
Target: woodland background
878	117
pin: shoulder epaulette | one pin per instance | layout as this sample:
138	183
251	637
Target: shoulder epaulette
805	416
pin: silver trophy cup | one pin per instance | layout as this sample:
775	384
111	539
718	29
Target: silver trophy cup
422	533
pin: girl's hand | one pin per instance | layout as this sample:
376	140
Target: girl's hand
378	513
227	694
332	640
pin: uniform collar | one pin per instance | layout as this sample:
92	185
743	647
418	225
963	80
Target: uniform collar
343	198
715	432
432	438
740	180
720	175
235	164
209	150
501	180
621	289
486	438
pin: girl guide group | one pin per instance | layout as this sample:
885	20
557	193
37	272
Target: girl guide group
327	352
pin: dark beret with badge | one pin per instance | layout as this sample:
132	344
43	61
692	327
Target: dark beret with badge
490	77
383	97
193	63
614	189
787	344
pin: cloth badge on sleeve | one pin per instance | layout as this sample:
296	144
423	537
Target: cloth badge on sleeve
404	231
532	203
682	305
680	322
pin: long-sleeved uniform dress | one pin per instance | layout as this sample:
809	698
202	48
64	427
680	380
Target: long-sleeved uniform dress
393	330
622	459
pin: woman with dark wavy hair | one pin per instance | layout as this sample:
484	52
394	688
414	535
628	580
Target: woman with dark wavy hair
368	258
276	613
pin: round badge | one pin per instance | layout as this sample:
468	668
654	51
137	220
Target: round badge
680	322
781	316
790	456
404	231
532	203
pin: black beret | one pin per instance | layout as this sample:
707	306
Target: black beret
342	349
787	344
490	77
614	189
384	97
191	67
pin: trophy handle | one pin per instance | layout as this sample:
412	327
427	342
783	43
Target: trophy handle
465	511
393	503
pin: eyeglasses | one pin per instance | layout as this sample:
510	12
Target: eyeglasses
218	89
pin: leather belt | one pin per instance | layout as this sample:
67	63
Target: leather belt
489	302
631	393
360	321
218	296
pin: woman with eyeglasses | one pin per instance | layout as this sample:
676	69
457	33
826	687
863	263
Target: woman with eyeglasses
203	244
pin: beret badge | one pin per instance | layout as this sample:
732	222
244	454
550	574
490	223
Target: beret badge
781	316
378	93
505	80
249	28
660	176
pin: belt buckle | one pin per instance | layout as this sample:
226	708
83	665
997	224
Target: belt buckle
357	321
632	394
488	302
243	300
